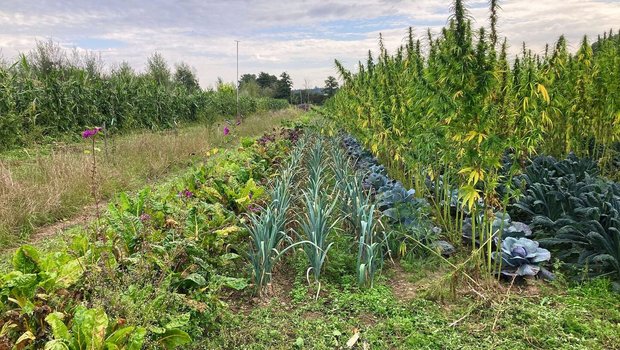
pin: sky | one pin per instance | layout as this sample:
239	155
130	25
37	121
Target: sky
301	37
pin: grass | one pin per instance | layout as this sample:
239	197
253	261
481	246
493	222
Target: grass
49	184
535	317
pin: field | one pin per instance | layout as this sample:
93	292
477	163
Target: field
448	198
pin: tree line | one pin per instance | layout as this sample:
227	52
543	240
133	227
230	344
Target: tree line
269	85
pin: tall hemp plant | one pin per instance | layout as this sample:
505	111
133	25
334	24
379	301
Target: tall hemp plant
459	118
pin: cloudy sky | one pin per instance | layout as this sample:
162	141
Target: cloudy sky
301	37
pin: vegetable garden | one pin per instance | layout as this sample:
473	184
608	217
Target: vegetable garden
442	199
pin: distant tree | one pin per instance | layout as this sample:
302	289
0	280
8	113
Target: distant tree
331	86
157	68
251	89
247	78
185	76
284	86
47	56
266	80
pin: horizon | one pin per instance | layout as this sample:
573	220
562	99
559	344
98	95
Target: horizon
302	39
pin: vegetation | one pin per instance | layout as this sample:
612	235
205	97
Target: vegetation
42	185
154	262
266	85
448	200
459	122
46	94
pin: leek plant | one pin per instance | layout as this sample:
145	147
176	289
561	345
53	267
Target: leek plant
370	250
349	184
268	228
266	237
317	222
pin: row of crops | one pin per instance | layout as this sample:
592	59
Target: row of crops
150	272
457	119
330	186
45	95
161	267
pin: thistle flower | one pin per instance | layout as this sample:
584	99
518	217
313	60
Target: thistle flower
88	133
226	131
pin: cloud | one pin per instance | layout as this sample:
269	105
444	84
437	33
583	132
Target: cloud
302	37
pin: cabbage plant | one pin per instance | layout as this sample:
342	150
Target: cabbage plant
521	257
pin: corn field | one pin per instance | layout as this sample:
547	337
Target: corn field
48	93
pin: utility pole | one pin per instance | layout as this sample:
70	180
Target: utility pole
237	41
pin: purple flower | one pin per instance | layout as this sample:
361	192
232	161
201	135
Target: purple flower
145	217
186	193
226	131
238	122
253	208
88	133
251	194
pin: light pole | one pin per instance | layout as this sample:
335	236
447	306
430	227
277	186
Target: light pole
237	41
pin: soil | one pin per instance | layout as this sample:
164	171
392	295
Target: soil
86	215
402	287
278	292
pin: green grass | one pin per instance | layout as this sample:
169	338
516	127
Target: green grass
585	317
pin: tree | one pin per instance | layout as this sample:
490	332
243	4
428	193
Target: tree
185	76
247	78
158	69
266	80
283	87
331	86
250	88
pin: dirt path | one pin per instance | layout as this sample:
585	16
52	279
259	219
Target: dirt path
83	218
400	283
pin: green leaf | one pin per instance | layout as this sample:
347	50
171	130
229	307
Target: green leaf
232	282
119	336
59	329
56	344
229	256
89	327
173	338
196	279
26	259
21	284
178	322
136	340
